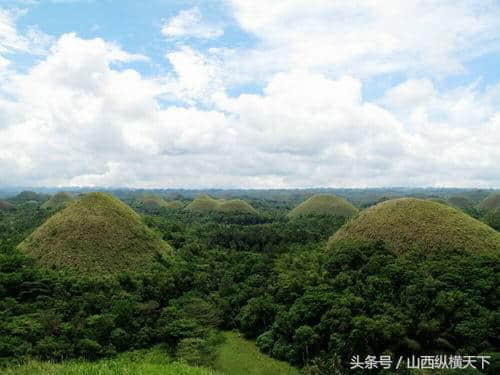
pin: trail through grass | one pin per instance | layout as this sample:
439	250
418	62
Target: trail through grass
238	356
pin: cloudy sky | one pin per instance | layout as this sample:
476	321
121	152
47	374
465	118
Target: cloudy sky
260	93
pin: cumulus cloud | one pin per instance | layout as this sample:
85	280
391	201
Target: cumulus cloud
189	23
366	38
83	116
197	76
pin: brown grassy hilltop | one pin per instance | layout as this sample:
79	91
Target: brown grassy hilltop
97	234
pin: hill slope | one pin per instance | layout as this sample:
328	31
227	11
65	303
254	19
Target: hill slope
6	206
490	203
413	223
492	218
236	206
153	202
58	201
175	205
205	204
324	204
28	195
97	234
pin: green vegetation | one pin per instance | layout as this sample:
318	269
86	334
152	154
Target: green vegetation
364	298
205	204
408	223
236	206
438	200
139	362
97	234
490	203
58	201
238	356
492	218
175	205
268	277
153	202
6	206
322	204
464	204
28	195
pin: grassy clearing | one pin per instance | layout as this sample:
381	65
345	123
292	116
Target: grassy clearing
324	204
413	223
97	234
141	362
238	356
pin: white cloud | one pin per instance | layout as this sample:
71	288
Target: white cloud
33	42
197	76
75	118
10	40
81	115
365	38
189	23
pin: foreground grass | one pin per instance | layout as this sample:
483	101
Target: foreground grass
238	356
141	362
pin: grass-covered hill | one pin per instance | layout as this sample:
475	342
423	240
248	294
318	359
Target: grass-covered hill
408	223
97	234
58	201
236	206
438	200
6	206
152	202
490	203
175	205
205	204
28	195
324	204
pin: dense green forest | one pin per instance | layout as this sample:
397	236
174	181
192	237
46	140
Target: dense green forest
264	274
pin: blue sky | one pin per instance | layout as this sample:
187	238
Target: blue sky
233	93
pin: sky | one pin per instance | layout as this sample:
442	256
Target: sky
250	94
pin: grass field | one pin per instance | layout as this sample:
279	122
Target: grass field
142	362
238	356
